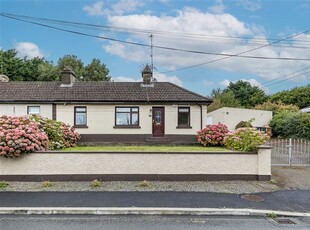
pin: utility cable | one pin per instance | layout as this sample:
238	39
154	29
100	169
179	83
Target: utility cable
171	48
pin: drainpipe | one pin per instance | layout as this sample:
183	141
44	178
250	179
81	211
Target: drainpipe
200	115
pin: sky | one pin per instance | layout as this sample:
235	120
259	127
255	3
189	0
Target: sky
197	44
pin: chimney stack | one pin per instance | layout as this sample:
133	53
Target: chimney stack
68	77
147	75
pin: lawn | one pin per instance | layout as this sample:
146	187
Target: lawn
147	148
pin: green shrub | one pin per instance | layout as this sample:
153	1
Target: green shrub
243	124
145	184
95	183
47	184
60	135
288	124
212	135
3	184
276	107
245	139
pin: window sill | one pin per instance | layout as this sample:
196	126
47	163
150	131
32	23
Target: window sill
126	127
184	127
80	126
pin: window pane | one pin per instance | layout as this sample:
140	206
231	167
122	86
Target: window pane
127	116
135	119
184	116
134	109
33	109
183	110
80	119
157	117
80	109
123	119
122	109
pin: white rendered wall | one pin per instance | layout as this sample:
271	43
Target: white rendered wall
101	119
66	163
21	109
232	116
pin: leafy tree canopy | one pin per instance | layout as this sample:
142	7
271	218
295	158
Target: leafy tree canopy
276	107
247	95
299	96
39	69
224	99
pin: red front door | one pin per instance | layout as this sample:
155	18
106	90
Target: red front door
158	120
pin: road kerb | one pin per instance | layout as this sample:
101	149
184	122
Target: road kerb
145	211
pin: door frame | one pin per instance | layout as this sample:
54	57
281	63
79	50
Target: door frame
163	120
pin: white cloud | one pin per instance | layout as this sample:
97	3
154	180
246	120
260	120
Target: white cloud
250	5
218	8
189	19
157	76
126	6
224	83
28	50
124	79
119	8
164	78
207	83
193	21
95	9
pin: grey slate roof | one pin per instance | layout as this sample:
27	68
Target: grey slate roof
26	91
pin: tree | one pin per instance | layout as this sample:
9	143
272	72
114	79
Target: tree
96	71
276	107
18	69
289	124
299	96
247	95
215	93
11	65
76	65
224	99
47	72
33	70
39	69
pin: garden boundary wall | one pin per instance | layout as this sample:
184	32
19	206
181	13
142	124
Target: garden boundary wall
125	166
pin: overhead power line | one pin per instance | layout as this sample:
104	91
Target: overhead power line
225	55
286	75
144	31
287	79
238	54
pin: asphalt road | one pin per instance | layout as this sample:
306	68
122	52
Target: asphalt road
144	222
286	200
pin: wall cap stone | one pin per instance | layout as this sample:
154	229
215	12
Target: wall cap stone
264	147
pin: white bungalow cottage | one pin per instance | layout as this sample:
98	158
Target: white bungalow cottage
112	112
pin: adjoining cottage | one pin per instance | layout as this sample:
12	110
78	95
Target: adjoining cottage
112	112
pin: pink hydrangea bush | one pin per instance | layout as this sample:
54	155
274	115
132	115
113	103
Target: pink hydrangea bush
212	135
19	135
60	135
